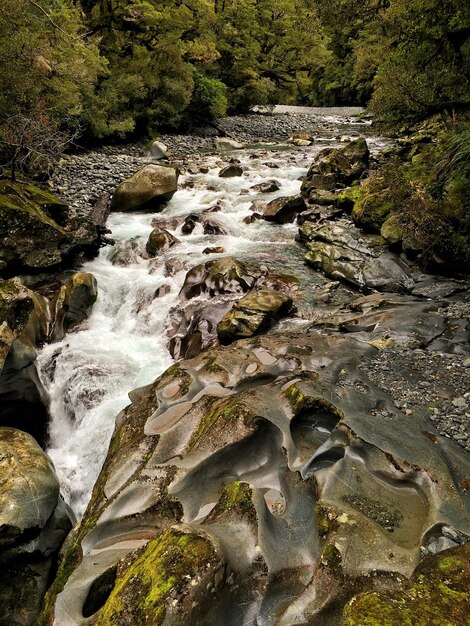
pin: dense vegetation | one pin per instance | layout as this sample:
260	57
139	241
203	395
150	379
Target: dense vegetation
111	69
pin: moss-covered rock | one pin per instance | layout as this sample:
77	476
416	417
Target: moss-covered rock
36	231
371	208
169	583
392	230
438	594
253	314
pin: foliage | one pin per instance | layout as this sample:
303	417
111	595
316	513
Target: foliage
208	100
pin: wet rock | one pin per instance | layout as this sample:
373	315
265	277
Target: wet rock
73	303
343	254
250	219
231	171
284	210
282	452
213	227
34	522
266	187
222	276
215	250
321	197
147	189
16	306
159	241
336	167
253	314
37	232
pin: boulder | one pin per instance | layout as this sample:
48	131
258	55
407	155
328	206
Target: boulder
159	241
215	250
147	189
267	187
16	306
284	210
226	144
73	303
342	253
222	276
158	150
371	208
37	232
34	522
231	171
253	314
333	167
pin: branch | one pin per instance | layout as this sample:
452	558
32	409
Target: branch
44	12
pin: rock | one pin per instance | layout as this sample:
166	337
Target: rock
158	150
226	144
230	171
216	250
73	303
267	187
147	189
391	230
190	223
284	210
159	241
322	197
253	314
36	231
301	142
222	276
437	593
371	209
336	167
281	453
250	219
343	254
34	522
213	227
16	306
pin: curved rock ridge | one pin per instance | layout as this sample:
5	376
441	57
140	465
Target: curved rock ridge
34	521
264	481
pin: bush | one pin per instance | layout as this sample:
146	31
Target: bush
208	100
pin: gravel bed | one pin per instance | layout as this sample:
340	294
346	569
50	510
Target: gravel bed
421	380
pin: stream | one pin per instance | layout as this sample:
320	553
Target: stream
124	344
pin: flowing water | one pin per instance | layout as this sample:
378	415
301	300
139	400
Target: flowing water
124	343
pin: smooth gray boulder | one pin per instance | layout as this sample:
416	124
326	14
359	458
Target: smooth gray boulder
147	189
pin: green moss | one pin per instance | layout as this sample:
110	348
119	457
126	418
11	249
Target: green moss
226	411
347	198
212	366
331	560
29	199
438	594
371	208
165	566
322	519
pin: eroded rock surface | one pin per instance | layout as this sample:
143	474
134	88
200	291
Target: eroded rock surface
290	461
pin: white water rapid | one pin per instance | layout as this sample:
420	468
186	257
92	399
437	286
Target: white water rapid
123	345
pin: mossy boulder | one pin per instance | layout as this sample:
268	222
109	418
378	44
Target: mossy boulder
33	524
253	314
16	306
346	199
392	230
159	241
371	208
74	302
148	189
172	582
37	232
333	168
221	276
438	594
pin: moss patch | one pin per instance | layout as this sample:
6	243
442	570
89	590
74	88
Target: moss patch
169	564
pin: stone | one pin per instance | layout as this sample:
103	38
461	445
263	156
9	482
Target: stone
231	171
34	522
253	314
159	241
215	250
391	230
158	150
371	210
73	303
226	144
148	189
266	187
37	231
222	276
284	210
